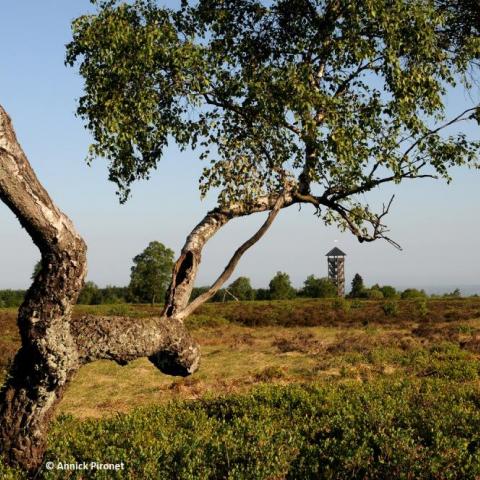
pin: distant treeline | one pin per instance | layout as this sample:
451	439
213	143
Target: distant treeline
90	295
11	298
279	288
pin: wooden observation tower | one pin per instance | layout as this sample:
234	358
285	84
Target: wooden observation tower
336	269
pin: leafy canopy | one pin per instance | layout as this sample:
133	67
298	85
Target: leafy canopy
280	287
358	287
318	287
241	289
328	96
151	272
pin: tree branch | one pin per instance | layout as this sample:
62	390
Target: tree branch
342	88
458	118
227	272
186	267
165	342
241	112
375	220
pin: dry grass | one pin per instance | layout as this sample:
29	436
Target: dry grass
364	345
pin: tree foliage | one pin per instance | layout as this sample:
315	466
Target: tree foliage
358	288
36	269
241	289
374	293
389	291
151	273
11	298
410	293
331	96
280	287
318	287
90	294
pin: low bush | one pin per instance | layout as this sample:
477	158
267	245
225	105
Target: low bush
342	305
199	321
421	307
390	308
425	429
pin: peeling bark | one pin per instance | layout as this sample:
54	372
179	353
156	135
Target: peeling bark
227	272
53	346
47	357
186	267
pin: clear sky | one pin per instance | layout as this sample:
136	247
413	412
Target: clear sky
436	224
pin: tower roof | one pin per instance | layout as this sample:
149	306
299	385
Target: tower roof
335	252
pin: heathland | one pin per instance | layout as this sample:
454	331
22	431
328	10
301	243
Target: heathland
304	389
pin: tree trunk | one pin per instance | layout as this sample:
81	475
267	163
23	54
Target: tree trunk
48	357
53	346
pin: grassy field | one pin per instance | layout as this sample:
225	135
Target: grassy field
407	358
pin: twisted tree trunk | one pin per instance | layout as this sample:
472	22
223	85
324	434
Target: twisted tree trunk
47	358
53	346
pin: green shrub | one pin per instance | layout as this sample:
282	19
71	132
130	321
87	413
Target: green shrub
443	360
390	308
389	291
422	429
374	294
340	304
421	307
413	293
199	321
415	430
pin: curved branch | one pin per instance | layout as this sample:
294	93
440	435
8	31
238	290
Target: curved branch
459	118
165	342
227	272
186	267
53	345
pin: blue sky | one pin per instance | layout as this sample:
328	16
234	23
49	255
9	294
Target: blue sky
436	224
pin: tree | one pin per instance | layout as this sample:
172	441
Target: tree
11	298
151	273
48	355
413	293
241	289
280	287
111	294
389	291
319	287
456	293
36	270
262	294
342	95
358	288
196	291
90	294
292	102
55	345
373	293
